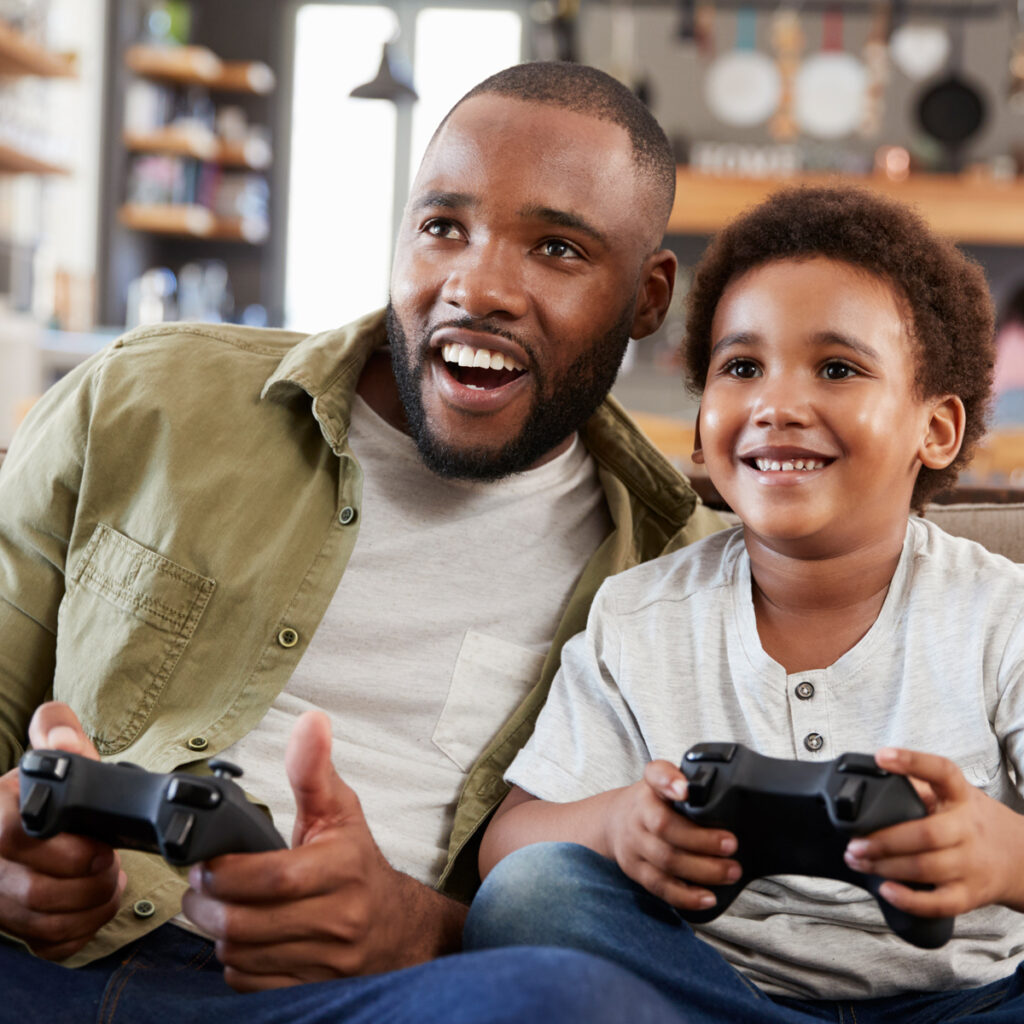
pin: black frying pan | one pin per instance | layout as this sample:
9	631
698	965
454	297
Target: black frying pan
952	110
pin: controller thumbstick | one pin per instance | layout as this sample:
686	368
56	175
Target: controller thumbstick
225	769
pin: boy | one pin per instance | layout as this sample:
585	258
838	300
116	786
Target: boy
844	358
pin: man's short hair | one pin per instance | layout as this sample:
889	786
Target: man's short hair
586	90
947	306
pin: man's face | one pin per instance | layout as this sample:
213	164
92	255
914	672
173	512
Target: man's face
518	267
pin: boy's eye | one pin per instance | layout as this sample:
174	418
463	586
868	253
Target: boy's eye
837	370
744	369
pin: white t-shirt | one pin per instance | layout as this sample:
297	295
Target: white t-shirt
437	632
671	657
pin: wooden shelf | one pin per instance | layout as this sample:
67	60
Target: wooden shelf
20	56
197	65
961	207
254	154
15	161
189	220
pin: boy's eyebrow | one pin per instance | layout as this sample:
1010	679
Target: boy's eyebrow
822	338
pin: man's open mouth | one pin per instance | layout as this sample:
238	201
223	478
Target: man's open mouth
480	368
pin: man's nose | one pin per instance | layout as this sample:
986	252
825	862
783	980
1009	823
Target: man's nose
487	280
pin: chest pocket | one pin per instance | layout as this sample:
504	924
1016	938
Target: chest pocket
491	679
126	618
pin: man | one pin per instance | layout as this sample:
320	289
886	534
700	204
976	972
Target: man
190	500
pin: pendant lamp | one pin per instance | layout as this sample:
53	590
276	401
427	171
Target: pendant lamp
390	83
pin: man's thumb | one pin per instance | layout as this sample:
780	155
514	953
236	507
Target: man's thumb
322	798
55	726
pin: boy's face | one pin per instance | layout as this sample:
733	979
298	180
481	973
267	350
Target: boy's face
810	423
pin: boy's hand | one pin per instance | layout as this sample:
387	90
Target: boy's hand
965	847
661	849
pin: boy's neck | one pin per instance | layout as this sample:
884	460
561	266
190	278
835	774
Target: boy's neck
811	611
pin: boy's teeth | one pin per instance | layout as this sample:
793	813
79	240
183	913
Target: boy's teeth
463	355
766	465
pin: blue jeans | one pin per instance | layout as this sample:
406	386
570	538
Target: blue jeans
560	894
172	975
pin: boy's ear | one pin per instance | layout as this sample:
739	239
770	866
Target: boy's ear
945	432
697	458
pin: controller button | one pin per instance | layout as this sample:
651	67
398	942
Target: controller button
804	690
143	908
47	766
698	788
814	741
198	743
848	799
711	752
192	793
33	810
860	764
288	637
225	769
179	828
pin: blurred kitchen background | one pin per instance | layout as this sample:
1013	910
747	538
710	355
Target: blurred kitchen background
247	160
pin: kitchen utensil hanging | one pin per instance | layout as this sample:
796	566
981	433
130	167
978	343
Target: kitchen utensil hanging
952	110
830	87
919	50
742	87
1015	92
788	45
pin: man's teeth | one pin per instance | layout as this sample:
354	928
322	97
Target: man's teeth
463	355
804	464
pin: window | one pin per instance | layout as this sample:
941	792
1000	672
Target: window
351	159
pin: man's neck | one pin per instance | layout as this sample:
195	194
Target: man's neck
377	388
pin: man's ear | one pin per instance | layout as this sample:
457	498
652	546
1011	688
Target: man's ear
697	457
945	432
657	281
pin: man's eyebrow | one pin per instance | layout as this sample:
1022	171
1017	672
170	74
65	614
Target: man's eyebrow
563	219
444	200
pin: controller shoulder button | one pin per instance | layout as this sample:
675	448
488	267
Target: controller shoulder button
860	764
848	799
721	752
45	765
192	793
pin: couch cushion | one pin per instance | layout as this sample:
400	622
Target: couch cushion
999	527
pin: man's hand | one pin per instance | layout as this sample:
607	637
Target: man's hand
662	850
55	894
968	846
332	905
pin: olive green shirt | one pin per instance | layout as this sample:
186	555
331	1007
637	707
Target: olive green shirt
175	516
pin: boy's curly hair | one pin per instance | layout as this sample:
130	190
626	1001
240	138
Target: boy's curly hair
944	292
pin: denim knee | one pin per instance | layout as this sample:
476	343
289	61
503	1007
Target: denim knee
530	897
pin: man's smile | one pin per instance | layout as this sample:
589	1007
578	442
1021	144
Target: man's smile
480	368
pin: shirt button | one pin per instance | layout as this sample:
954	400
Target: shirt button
814	741
347	515
144	908
198	743
805	690
288	637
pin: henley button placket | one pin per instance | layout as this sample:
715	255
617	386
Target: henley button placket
805	690
814	741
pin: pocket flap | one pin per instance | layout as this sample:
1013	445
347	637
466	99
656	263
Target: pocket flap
153	588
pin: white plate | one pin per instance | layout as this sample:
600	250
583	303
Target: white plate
829	94
743	87
919	51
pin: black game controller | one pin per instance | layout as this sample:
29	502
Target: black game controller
183	817
795	818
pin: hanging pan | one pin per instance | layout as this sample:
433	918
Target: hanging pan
952	110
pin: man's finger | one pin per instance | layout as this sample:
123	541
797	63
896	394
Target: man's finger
54	726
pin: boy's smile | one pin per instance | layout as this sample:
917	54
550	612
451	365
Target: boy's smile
811	425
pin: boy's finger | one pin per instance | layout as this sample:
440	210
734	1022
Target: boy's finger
666	780
936	832
940	773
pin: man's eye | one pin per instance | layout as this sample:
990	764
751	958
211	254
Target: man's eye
441	229
838	371
558	248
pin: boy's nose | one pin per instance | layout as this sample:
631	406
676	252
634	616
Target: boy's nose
485	281
781	404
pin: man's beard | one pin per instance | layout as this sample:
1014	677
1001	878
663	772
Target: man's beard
560	407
